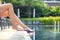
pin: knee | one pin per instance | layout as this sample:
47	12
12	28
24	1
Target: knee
9	5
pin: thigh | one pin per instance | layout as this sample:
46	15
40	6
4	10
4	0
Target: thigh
4	14
4	7
3	10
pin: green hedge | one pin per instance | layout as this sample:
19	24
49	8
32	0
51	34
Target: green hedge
45	20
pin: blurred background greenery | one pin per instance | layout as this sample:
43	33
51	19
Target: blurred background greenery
26	8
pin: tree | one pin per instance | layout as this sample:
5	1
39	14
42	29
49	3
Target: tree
22	3
41	8
29	4
16	2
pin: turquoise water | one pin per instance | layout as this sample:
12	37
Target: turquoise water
43	32
46	34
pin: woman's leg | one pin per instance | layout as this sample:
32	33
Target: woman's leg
3	11
15	21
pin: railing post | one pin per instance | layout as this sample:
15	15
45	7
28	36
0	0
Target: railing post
1	23
58	26
34	23
18	12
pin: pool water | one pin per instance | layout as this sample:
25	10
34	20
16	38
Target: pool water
46	33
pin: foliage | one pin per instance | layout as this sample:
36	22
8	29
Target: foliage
0	0
16	2
41	9
54	10
58	10
45	20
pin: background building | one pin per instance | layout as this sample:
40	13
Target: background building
52	2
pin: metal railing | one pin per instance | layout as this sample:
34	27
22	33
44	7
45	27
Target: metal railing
4	23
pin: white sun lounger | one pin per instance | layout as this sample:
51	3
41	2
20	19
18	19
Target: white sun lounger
10	34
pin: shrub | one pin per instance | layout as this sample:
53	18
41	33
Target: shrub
45	20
